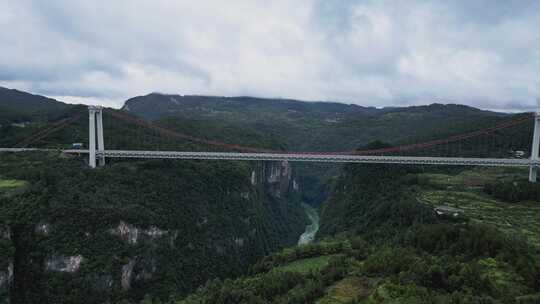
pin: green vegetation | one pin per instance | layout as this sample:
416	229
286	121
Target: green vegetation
277	124
17	106
468	191
11	183
290	283
515	219
306	265
347	290
322	126
196	221
499	263
404	273
152	231
313	126
9	187
380	243
471	178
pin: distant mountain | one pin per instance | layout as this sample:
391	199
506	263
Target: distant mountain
156	105
23	114
17	106
306	126
294	124
322	126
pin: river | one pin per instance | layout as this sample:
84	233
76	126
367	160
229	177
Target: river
311	230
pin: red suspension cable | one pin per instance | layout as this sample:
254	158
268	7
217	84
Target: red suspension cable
401	148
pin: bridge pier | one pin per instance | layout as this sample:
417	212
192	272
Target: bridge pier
101	141
533	170
95	126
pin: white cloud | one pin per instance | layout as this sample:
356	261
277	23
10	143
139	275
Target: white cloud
379	53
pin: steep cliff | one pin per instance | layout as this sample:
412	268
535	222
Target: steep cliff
6	261
137	228
282	202
275	177
382	245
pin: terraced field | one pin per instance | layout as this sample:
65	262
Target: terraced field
464	191
474	178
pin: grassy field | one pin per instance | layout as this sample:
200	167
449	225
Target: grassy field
474	178
343	291
464	191
347	290
11	183
10	186
306	265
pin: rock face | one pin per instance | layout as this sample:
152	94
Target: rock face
62	263
141	268
275	177
5	233
43	229
127	274
6	266
6	277
132	234
175	233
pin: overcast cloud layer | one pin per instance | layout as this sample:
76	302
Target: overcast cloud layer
376	53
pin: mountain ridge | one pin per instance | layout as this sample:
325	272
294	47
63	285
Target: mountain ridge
313	126
290	101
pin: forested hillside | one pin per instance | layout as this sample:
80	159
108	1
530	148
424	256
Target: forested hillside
75	235
18	106
314	126
381	243
153	231
321	126
134	228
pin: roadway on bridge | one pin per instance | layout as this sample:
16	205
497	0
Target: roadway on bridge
329	158
298	157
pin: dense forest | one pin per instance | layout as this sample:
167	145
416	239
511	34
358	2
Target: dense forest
315	126
73	235
325	126
153	227
18	106
379	244
223	232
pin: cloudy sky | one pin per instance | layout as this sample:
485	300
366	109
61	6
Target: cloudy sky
484	53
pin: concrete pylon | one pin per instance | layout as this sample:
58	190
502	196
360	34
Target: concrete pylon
92	137
533	171
95	126
100	141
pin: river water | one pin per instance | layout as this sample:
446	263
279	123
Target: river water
311	230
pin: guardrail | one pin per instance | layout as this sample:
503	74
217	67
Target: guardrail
296	157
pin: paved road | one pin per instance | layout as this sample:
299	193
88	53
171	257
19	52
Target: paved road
329	158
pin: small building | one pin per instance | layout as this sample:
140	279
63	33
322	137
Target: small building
448	211
77	145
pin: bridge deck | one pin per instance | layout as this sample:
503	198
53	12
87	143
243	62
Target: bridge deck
329	158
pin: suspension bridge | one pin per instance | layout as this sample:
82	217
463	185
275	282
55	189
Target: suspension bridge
97	153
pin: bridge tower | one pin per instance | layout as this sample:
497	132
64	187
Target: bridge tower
95	127
533	171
